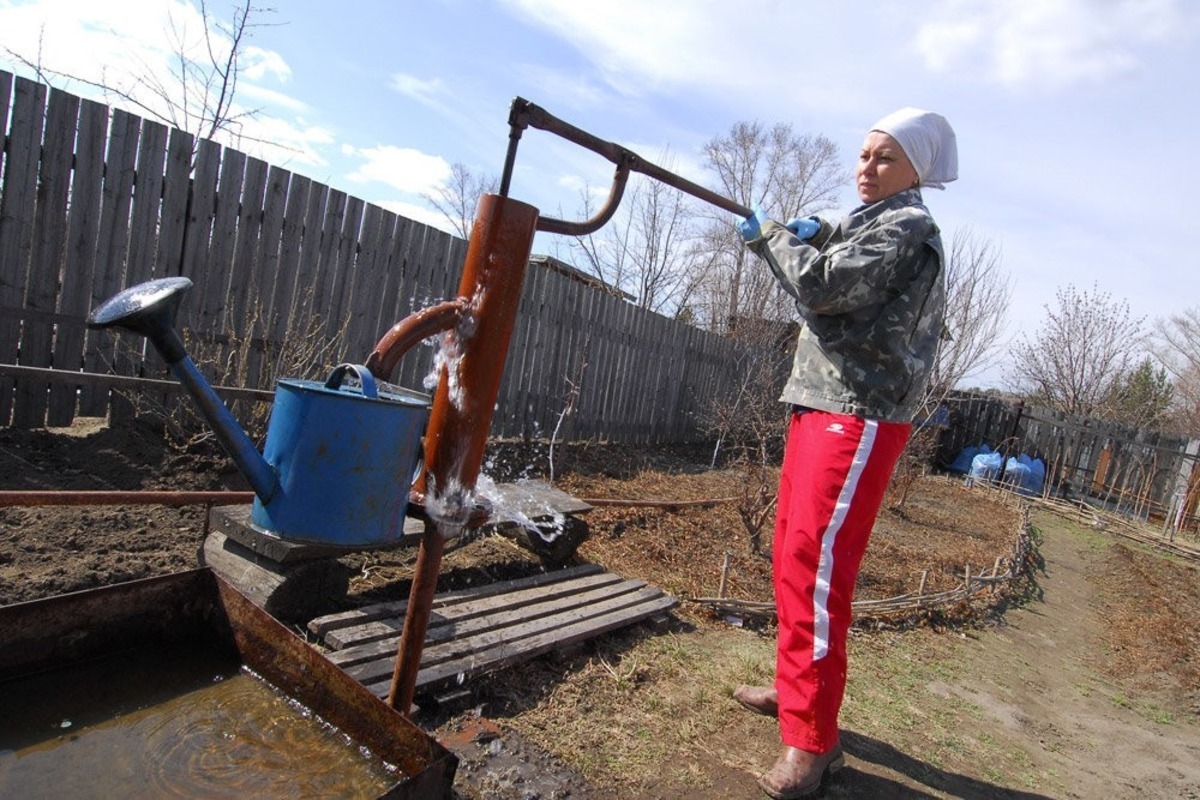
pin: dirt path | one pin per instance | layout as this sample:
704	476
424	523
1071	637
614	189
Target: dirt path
1032	689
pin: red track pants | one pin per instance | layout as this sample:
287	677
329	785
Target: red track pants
836	469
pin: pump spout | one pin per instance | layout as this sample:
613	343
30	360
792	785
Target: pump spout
149	309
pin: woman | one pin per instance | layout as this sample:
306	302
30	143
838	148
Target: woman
870	291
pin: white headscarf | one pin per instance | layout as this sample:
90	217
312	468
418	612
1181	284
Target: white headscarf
928	141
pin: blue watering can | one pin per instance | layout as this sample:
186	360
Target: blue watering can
339	461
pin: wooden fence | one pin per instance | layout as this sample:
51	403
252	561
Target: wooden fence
1142	472
93	200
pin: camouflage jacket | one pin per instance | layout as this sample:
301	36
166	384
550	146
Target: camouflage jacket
871	293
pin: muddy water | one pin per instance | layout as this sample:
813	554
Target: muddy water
177	722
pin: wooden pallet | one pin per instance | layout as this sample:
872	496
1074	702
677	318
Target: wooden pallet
479	630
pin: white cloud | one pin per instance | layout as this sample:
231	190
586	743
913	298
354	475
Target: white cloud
402	168
576	184
261	95
580	90
792	56
132	47
420	90
626	38
283	142
258	64
82	39
1051	44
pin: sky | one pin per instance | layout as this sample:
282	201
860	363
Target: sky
1076	119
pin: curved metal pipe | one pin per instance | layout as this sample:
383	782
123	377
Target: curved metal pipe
412	330
551	225
523	114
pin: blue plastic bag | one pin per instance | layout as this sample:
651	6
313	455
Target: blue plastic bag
985	467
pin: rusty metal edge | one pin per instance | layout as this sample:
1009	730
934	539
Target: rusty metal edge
43	634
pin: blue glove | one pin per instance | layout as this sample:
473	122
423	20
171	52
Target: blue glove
750	226
804	228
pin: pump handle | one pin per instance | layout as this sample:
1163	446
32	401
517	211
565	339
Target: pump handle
524	114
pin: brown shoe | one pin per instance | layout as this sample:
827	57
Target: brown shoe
798	773
759	699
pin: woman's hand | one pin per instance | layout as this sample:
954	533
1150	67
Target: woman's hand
751	227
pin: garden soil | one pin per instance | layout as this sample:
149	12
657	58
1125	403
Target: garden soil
1081	680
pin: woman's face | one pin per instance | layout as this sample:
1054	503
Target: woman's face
883	168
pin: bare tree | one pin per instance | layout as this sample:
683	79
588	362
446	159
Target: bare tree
977	299
646	249
1083	346
790	175
750	424
978	293
33	62
458	200
197	92
1178	347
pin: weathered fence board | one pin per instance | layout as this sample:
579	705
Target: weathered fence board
46	254
6	82
177	191
112	246
209	306
147	203
17	206
278	297
83	228
198	231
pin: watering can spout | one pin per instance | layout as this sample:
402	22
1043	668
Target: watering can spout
149	309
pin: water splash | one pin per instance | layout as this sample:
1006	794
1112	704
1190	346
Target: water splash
446	360
448	507
520	503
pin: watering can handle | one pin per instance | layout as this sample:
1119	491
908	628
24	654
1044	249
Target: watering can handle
369	388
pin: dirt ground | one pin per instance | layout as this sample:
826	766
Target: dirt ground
1081	682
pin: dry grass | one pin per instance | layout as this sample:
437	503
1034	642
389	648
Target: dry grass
942	529
1154	644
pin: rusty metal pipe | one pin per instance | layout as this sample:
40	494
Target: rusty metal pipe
596	222
523	113
412	330
15	498
455	441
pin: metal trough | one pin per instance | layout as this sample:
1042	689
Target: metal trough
55	634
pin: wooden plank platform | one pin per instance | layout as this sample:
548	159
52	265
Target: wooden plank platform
479	630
